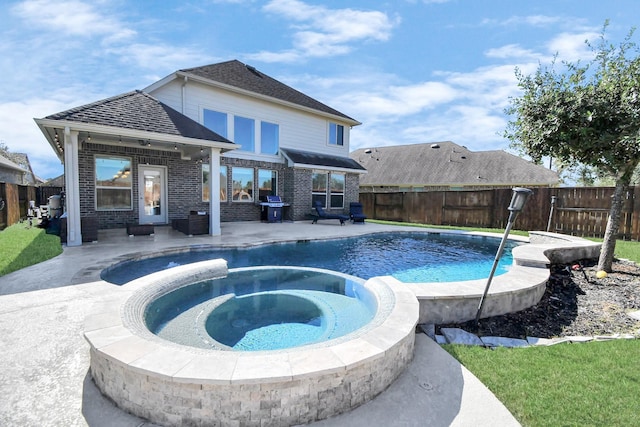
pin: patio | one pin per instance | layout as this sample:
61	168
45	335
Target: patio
45	357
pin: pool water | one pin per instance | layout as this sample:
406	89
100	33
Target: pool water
262	309
409	257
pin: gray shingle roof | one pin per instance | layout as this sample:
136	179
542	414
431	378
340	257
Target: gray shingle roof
138	111
8	164
317	159
448	164
235	73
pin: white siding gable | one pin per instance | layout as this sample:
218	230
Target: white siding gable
298	129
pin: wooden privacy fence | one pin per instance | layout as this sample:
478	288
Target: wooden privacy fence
14	201
579	211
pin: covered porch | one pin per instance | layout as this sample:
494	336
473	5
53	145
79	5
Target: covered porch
132	160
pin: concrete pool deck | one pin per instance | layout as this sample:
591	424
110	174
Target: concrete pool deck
45	359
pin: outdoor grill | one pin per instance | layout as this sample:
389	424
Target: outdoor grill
272	209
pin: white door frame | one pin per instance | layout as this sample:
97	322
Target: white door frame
143	216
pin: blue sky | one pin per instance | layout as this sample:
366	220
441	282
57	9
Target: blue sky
412	71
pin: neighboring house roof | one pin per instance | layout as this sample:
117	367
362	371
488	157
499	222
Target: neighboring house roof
446	163
309	159
5	163
22	160
247	78
138	111
55	182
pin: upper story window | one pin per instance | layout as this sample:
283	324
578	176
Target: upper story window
336	134
113	183
216	121
269	138
244	133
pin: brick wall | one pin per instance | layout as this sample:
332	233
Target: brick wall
183	179
185	186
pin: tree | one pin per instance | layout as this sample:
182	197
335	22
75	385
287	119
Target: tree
585	114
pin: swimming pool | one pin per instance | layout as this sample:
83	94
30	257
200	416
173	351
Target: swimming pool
411	257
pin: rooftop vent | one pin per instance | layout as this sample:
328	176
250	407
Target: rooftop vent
253	70
367	151
435	145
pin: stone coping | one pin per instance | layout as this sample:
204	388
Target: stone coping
447	302
521	287
117	336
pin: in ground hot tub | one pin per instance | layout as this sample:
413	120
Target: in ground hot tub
172	383
263	308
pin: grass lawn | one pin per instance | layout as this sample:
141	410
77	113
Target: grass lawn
590	384
22	246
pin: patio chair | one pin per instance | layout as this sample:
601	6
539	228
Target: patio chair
355	212
321	214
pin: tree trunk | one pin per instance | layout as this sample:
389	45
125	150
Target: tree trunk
613	225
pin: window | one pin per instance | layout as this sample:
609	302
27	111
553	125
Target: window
319	188
242	184
336	134
215	121
328	186
244	133
337	190
223	183
267	183
113	183
269	138
205	183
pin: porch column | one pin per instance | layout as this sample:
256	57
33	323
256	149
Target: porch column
214	192
72	187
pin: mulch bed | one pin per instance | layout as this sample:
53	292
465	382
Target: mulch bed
575	303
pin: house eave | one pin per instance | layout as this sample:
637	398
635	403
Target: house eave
329	168
125	133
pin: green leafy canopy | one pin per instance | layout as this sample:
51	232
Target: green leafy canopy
585	113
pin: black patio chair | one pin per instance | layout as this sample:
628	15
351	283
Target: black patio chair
321	214
355	213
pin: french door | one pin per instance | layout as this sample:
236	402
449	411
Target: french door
152	194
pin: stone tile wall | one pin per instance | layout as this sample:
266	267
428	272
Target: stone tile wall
165	401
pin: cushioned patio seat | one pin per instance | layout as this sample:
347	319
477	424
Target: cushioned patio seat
321	214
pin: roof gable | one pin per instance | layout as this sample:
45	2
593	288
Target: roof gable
446	163
235	73
138	111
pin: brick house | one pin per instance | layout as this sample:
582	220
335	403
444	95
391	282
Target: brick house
217	138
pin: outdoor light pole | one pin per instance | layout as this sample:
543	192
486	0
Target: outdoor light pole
519	198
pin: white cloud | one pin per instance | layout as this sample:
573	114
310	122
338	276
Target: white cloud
22	135
73	18
393	102
323	32
511	51
158	56
572	46
533	20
